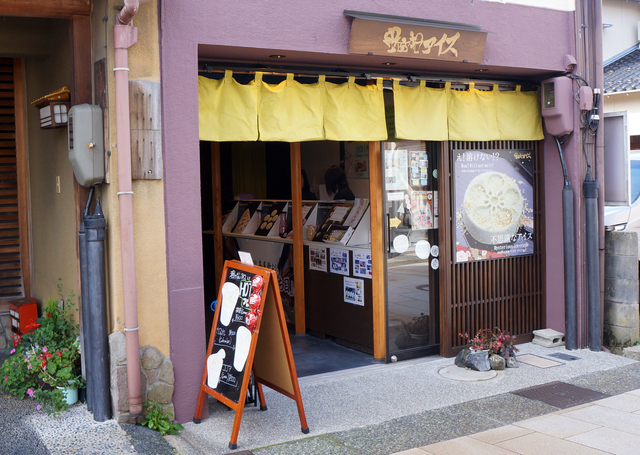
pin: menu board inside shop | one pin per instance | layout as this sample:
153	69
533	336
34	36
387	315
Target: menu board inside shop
239	309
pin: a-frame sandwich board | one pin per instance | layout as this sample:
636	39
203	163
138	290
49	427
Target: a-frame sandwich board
249	333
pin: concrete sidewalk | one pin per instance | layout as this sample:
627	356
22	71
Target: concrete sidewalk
379	409
607	426
384	409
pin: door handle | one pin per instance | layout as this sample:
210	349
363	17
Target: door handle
388	234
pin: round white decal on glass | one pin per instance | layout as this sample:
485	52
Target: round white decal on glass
435	251
435	264
401	243
422	249
435	173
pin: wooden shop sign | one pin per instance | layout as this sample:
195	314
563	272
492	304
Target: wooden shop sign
371	37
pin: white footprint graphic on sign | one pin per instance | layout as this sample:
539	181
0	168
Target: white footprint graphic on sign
214	367
230	294
243	343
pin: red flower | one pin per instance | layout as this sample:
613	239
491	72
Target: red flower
31	326
17	339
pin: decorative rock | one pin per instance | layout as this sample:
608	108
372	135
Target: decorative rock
512	362
6	322
478	361
151	358
168	409
119	389
165	372
461	358
152	376
117	349
161	394
497	362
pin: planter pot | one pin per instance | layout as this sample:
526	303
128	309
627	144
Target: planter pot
419	336
70	394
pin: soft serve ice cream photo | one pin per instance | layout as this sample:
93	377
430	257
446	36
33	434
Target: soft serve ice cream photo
493	199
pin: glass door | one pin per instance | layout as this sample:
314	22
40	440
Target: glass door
412	253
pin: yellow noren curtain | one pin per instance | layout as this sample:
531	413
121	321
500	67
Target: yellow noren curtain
519	115
290	111
353	112
228	110
421	112
473	115
294	112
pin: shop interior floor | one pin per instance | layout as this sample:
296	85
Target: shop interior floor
313	355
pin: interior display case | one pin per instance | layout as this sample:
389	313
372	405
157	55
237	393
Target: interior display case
337	258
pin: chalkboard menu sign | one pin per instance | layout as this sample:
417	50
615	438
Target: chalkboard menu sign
246	292
232	336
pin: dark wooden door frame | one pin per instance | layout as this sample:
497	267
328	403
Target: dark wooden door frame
509	293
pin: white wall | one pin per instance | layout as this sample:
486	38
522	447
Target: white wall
623	16
629	102
562	5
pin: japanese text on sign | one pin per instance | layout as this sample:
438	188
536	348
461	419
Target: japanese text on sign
417	43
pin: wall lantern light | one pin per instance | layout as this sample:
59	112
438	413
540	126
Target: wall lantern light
53	108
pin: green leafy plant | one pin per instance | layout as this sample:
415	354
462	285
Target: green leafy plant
160	421
16	376
50	400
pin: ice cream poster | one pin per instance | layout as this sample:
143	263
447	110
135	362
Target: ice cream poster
354	291
317	258
238	308
493	199
339	261
362	264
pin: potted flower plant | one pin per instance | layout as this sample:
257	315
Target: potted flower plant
45	361
418	327
485	343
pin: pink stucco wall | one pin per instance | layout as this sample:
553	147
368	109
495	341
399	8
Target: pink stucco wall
522	40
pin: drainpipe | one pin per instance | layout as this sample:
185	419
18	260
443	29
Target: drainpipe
125	35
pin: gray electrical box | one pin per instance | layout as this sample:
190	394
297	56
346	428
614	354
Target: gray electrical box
86	144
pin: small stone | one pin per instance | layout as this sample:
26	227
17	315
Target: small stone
165	373
168	409
512	362
478	361
161	394
119	389
151	358
117	349
152	377
461	358
497	362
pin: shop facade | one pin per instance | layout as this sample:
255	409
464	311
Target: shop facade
520	293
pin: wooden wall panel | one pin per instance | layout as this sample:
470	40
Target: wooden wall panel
14	240
508	293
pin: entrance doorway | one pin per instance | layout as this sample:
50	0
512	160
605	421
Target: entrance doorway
410	193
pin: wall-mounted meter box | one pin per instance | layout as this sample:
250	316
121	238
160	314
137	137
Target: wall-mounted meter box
557	105
86	144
